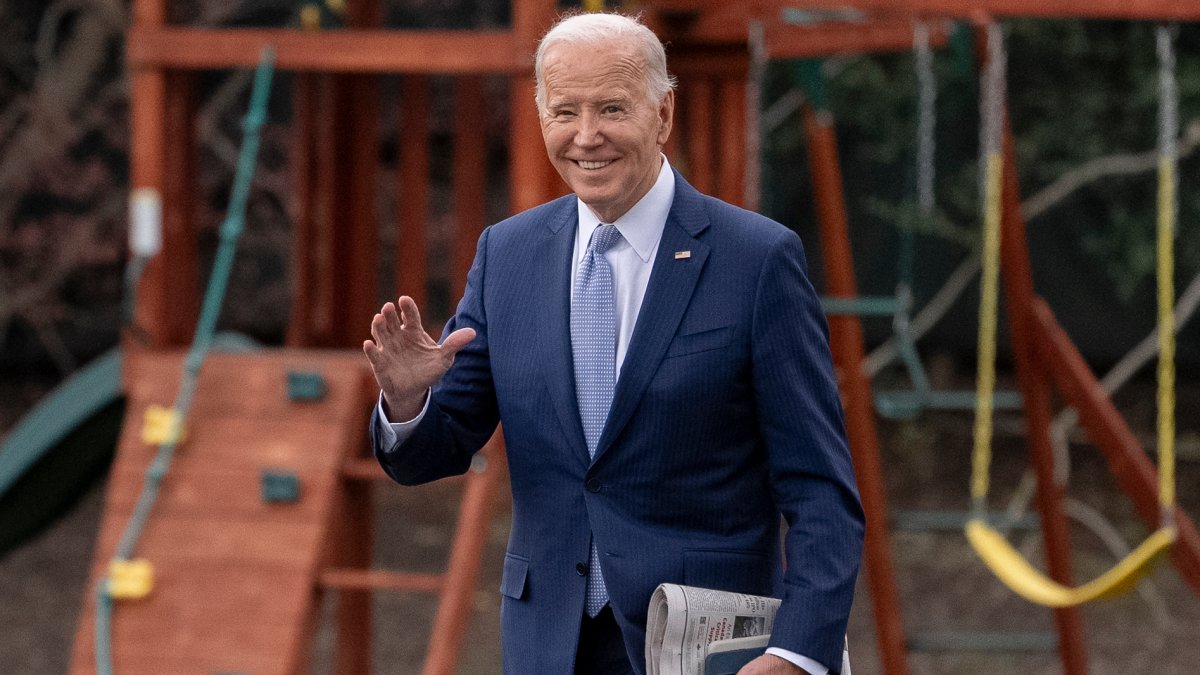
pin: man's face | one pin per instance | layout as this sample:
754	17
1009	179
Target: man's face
602	131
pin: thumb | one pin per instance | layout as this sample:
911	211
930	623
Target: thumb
456	341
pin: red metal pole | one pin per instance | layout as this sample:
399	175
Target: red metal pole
847	343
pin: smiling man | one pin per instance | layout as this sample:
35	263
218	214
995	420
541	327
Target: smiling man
661	368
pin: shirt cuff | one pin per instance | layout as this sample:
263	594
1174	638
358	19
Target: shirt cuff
804	662
392	433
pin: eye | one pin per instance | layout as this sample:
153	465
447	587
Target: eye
613	109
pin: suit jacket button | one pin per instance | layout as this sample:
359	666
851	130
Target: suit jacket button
582	569
592	485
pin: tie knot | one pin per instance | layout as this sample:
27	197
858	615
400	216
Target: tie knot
604	237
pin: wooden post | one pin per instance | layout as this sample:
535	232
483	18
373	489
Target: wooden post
167	302
412	192
302	160
1035	390
846	340
462	568
731	163
1016	273
469	181
355	227
530	174
697	108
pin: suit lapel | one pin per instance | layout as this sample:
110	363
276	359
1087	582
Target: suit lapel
554	322
668	294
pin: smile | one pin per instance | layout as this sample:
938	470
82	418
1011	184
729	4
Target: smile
593	165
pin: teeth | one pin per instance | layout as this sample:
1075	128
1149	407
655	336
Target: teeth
594	165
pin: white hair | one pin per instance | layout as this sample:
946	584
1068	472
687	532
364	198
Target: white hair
600	27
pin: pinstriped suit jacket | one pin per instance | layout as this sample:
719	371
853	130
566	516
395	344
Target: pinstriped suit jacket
726	415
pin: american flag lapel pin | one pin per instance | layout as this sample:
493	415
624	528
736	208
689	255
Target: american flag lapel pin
683	255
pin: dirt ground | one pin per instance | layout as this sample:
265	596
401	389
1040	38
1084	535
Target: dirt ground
942	587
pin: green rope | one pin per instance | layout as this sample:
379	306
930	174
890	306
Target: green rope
213	299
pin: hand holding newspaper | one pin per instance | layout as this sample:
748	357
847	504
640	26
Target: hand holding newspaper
685	624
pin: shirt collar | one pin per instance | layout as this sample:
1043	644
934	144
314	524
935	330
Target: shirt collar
642	225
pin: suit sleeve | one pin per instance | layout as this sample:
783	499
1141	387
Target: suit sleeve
812	478
461	413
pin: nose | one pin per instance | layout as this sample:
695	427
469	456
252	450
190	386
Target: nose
587	133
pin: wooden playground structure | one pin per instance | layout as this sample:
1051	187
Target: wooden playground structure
239	576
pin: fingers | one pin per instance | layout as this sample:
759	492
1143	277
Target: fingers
409	314
456	341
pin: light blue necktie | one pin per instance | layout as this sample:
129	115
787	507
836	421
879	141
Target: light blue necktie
594	341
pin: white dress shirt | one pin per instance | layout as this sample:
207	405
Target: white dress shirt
631	259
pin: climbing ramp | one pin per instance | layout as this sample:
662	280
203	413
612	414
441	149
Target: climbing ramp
245	518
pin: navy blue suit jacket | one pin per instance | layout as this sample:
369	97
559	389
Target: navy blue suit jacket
726	415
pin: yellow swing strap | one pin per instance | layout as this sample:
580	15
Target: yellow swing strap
1000	557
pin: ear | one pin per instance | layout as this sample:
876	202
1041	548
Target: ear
666	117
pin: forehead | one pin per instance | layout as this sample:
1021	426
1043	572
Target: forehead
596	68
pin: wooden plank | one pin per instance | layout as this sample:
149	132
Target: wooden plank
1147	10
207	614
800	42
235	578
341	51
346	578
252	385
194	487
250	443
173	541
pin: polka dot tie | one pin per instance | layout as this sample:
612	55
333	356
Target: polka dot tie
594	341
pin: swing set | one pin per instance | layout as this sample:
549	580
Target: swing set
1043	352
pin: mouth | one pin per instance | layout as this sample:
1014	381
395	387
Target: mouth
591	166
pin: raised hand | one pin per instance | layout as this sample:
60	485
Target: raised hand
406	361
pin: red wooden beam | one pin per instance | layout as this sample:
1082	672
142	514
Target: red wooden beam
798	42
731	163
356	579
1108	430
304	274
696	106
461	580
1017	274
469	179
359	51
1148	10
412	192
846	340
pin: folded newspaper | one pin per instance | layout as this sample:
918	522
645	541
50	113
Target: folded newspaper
686	624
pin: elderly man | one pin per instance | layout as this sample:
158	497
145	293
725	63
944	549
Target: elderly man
661	368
